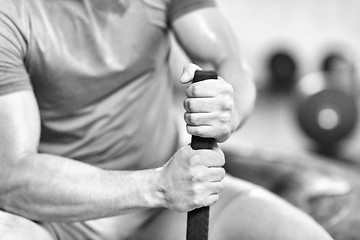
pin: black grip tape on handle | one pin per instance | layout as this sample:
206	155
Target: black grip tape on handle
198	219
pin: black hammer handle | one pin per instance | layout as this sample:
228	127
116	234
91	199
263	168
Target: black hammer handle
198	219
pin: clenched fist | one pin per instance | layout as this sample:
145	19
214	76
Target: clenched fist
209	107
192	178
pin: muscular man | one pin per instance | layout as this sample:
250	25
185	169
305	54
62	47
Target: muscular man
89	147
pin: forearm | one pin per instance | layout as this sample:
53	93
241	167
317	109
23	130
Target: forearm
238	74
50	188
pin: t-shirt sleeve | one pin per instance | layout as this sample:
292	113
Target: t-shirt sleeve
177	8
13	74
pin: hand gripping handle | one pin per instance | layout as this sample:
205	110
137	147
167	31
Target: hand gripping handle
198	219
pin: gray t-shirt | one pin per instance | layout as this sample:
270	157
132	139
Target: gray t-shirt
99	71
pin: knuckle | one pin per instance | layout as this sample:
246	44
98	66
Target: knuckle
227	105
216	198
229	89
198	190
225	117
227	129
188	118
186	104
191	119
224	129
196	176
188	91
189	105
193	161
199	177
213	199
195	90
197	202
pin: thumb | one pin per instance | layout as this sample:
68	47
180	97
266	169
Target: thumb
188	73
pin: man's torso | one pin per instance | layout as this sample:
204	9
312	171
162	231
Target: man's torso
99	70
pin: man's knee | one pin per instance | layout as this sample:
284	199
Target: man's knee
259	214
19	228
285	220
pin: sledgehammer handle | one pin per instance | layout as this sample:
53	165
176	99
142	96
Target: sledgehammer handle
198	219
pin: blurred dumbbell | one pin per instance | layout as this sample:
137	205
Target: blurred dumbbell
334	61
327	110
282	70
328	116
340	70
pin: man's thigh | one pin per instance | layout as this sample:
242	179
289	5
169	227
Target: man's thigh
244	211
172	225
19	228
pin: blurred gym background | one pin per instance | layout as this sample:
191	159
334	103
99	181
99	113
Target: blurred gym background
303	139
307	31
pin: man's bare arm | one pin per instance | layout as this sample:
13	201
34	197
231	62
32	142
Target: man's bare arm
208	40
52	188
48	187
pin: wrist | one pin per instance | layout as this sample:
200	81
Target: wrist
240	114
155	196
